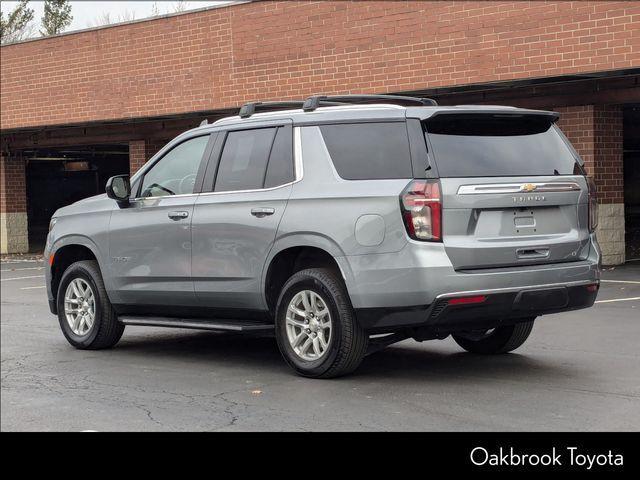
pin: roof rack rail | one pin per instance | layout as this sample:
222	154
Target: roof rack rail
313	102
250	108
316	101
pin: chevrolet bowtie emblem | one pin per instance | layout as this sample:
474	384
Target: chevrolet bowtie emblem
528	187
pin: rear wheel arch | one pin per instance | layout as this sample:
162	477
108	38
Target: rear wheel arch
289	261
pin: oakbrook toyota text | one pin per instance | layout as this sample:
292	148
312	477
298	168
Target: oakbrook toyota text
571	456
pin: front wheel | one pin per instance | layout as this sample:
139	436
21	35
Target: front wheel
316	328
86	316
497	340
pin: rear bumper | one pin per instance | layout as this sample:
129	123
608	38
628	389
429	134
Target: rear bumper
405	288
494	307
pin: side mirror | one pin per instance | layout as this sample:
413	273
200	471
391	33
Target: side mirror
119	189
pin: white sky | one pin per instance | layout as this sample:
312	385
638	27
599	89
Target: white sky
84	12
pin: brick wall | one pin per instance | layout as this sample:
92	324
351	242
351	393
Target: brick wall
136	155
12	180
596	133
142	150
222	57
13	205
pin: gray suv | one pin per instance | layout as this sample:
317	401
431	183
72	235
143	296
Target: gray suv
341	224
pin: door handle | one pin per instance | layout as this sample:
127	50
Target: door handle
262	212
177	215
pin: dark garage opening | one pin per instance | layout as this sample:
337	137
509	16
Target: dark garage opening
631	147
57	177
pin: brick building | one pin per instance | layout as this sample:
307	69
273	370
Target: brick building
79	107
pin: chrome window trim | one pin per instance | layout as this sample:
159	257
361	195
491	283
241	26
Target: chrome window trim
297	167
518	188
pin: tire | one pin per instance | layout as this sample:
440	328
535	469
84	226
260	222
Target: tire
501	340
347	341
105	330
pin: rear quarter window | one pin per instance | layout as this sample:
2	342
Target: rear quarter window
369	151
497	146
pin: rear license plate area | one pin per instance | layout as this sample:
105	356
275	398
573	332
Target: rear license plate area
541	299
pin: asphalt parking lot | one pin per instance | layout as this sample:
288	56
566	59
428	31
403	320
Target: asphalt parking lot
578	371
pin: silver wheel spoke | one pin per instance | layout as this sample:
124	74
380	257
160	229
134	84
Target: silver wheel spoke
305	346
297	323
299	312
298	339
305	301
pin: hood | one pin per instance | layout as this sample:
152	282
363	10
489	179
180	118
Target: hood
91	204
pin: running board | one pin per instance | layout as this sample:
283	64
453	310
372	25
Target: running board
204	324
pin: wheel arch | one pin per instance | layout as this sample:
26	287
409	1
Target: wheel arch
294	253
67	251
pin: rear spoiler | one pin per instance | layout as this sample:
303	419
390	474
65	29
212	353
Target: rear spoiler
494	112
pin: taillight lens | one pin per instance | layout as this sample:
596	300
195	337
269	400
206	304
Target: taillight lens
593	205
421	205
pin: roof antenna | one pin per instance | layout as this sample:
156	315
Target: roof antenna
204	122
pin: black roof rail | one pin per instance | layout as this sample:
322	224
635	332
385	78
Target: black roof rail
250	108
316	101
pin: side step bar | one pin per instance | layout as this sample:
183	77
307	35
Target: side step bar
197	324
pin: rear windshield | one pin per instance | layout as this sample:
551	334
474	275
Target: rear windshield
498	146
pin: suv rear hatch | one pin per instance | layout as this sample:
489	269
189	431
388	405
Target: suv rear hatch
513	190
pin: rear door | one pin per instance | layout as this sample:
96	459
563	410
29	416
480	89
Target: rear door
513	190
234	225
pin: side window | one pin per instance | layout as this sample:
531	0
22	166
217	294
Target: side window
369	151
280	169
244	160
175	173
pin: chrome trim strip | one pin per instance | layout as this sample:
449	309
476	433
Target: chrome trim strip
297	167
297	154
516	289
518	188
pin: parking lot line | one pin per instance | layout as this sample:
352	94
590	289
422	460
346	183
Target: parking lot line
618	300
20	278
620	281
13	262
31	288
21	269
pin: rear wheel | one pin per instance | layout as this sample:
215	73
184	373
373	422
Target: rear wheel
86	316
497	340
316	329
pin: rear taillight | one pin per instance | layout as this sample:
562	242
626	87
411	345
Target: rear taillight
593	205
421	205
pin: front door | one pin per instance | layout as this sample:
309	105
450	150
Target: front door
150	240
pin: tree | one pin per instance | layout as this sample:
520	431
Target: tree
105	19
155	11
180	6
17	25
57	17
